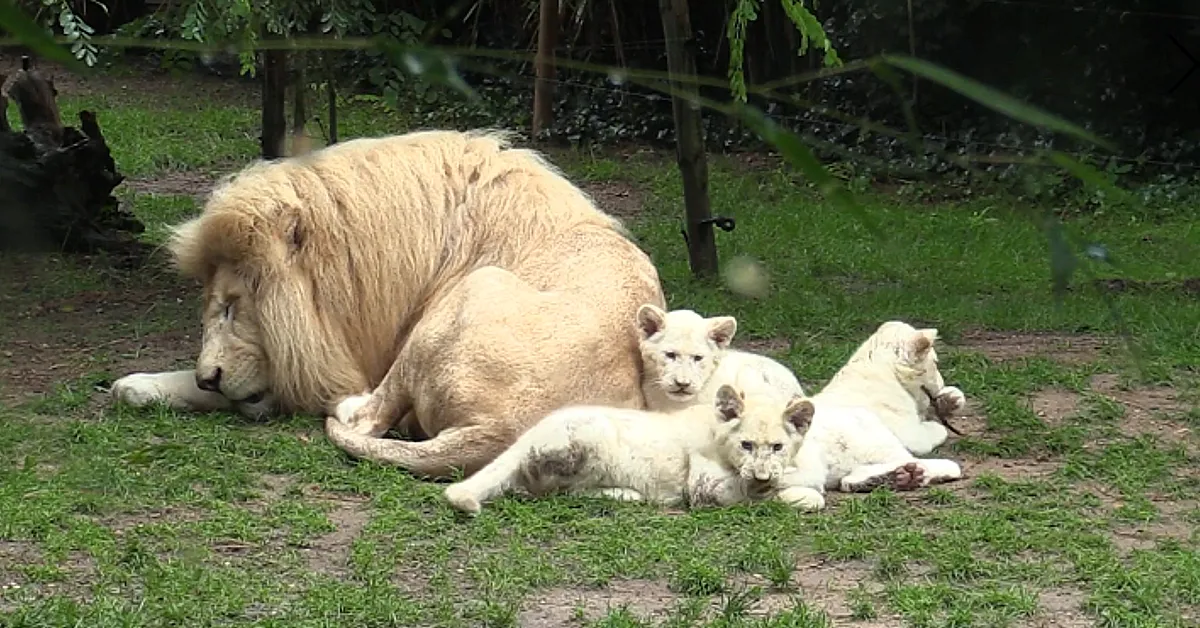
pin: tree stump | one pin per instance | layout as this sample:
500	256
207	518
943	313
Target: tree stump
56	182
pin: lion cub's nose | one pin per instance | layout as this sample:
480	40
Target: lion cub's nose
212	383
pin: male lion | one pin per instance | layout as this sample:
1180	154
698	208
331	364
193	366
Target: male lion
468	283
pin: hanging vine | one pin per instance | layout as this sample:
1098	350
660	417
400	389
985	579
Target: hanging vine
746	11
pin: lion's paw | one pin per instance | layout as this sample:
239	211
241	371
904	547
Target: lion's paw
802	498
138	389
462	499
950	401
907	477
349	407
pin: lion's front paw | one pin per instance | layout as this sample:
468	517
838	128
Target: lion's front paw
347	409
950	401
802	498
462	499
138	389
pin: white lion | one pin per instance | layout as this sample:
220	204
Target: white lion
869	421
731	451
686	358
466	286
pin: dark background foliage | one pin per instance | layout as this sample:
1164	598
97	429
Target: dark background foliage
1114	67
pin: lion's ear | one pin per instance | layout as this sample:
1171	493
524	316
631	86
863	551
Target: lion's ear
721	330
729	403
800	412
921	342
651	319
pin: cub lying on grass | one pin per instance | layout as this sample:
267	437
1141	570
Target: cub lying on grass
869	421
686	358
867	418
729	451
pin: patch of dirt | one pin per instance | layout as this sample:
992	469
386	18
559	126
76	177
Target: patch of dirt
552	608
618	198
1054	405
183	183
123	523
1147	410
108	322
774	347
1000	346
144	77
824	585
330	553
1143	535
16	589
1019	469
1059	608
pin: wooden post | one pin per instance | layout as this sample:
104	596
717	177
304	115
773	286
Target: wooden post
543	87
331	92
689	138
274	103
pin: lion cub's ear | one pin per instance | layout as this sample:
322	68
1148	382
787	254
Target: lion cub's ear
721	330
651	319
729	403
921	342
800	412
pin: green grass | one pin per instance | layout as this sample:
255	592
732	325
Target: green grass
115	517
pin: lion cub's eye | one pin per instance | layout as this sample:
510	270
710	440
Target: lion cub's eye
697	358
671	355
228	311
747	445
777	447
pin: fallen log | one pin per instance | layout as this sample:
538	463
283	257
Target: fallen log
56	182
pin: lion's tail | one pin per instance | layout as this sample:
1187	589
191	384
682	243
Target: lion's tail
465	449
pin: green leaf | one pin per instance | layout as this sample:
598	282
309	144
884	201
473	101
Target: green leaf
993	98
793	149
28	33
1089	175
1062	259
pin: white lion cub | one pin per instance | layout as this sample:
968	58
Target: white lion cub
733	450
686	358
869	421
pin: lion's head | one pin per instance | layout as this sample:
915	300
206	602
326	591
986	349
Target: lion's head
273	319
761	431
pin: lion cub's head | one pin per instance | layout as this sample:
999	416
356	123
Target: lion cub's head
908	353
760	431
681	349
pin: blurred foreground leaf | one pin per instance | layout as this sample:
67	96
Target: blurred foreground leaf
993	98
28	33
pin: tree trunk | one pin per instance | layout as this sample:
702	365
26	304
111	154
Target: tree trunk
331	90
300	94
274	103
689	137
543	88
56	182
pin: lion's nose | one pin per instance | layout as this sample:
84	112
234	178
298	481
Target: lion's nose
212	383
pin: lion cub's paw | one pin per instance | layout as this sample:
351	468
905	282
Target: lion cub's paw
802	498
138	389
348	407
950	401
462	499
